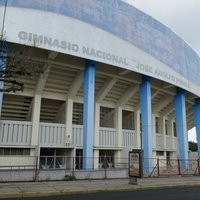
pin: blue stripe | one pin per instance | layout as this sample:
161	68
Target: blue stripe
88	114
181	127
129	24
145	104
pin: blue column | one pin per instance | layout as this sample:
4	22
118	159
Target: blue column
88	114
145	104
3	54
196	110
181	127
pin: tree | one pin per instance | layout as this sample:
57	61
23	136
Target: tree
14	67
193	146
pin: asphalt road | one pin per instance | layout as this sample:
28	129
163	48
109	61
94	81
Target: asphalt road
161	194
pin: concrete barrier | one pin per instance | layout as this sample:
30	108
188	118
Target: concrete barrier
61	174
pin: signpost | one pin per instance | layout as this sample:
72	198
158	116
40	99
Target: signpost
135	166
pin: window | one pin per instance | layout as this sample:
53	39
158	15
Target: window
140	122
106	158
77	117
107	117
159	153
14	151
156	124
128	121
174	128
166	127
79	159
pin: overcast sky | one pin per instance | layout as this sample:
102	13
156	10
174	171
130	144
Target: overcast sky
182	16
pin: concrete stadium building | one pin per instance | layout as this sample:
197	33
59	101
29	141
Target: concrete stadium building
114	79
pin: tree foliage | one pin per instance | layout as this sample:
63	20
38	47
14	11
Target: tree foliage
193	146
14	67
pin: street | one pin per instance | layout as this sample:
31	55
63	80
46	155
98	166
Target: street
161	194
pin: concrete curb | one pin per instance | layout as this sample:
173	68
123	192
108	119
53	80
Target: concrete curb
85	191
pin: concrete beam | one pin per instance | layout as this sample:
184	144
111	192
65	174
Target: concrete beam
75	86
131	91
155	94
167	110
105	89
162	103
42	80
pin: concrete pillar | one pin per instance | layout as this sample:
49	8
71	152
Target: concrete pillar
68	123
146	114
96	158
118	126
153	131
196	110
97	122
96	135
117	157
137	128
165	131
173	137
181	127
3	54
88	114
36	120
35	126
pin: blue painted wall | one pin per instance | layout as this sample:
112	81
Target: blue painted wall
129	24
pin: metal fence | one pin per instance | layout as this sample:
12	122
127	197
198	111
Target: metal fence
172	167
49	165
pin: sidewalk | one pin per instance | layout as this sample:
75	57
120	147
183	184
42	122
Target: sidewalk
33	189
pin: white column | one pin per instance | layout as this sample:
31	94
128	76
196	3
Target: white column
118	126
96	159
117	157
138	128
68	122
153	131
173	137
164	128
161	128
36	120
35	127
96	124
96	135
170	128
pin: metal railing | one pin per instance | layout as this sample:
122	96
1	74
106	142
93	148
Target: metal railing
172	167
72	165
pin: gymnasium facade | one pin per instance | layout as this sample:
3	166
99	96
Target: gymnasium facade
113	79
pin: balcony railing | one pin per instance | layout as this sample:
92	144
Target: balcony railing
77	135
15	132
52	134
129	138
107	137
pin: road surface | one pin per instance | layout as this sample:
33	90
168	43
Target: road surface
159	194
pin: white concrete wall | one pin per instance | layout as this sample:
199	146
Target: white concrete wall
23	161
